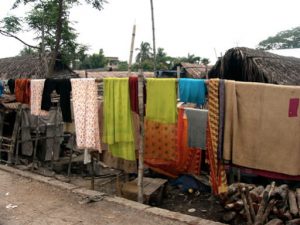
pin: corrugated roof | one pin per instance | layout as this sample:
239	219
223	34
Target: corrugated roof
194	70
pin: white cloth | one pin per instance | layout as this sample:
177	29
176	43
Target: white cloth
85	105
36	89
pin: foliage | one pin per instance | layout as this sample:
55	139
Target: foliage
123	66
94	61
205	61
27	51
144	53
282	40
49	21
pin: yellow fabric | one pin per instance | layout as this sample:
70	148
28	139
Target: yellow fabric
118	128
161	100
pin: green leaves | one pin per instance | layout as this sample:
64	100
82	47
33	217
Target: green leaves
11	24
283	40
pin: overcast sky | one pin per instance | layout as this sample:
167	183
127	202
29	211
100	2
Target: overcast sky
191	26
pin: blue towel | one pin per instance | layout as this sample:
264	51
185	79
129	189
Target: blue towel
1	88
192	90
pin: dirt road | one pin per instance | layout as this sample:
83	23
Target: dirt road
41	204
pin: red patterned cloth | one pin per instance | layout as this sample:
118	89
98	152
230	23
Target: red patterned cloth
22	90
166	148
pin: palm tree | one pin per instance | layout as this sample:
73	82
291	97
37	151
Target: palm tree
144	52
205	61
193	59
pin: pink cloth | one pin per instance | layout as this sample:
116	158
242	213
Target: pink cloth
37	87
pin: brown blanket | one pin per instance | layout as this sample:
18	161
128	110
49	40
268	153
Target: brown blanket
262	126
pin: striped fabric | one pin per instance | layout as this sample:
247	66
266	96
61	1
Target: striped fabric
217	171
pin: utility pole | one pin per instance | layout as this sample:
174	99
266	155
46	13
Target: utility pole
153	33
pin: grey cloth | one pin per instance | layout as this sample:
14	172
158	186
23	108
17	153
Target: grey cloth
197	123
27	146
46	146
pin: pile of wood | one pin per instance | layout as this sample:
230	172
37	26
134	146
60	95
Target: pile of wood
256	205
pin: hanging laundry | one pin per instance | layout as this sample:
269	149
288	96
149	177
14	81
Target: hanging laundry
11	85
133	90
264	136
1	88
221	118
63	88
37	87
197	120
192	90
22	90
217	171
85	104
118	127
128	166
161	100
189	157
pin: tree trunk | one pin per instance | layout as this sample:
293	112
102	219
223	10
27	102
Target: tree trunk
59	24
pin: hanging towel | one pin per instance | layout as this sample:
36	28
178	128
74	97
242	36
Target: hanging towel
221	117
265	133
1	88
22	90
63	88
217	170
85	104
37	87
118	127
133	90
197	120
161	100
11	85
192	90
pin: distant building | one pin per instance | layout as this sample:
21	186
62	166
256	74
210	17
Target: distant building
112	63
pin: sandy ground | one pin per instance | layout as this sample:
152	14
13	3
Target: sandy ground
41	204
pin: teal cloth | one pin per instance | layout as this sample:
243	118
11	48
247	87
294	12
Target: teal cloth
161	100
192	90
118	127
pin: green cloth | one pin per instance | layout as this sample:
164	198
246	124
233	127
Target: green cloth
161	100
118	128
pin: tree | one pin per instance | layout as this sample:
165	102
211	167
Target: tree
205	61
123	66
93	61
282	40
162	59
144	53
27	51
49	20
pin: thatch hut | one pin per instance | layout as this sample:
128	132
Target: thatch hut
30	66
245	64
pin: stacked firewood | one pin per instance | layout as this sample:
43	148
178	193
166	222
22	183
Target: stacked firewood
256	205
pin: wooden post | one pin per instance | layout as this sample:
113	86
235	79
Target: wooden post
153	33
141	144
178	77
131	50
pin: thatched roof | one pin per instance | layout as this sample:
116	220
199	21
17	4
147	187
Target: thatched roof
245	64
30	66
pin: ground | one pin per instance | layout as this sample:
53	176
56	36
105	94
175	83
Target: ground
38	204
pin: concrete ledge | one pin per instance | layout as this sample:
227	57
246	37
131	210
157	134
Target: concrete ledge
186	219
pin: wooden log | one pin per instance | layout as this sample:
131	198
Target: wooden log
293	222
268	210
275	222
246	206
236	206
293	203
249	200
298	198
229	216
264	203
255	193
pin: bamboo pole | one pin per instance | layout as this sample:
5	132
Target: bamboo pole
178	77
141	142
153	34
131	50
